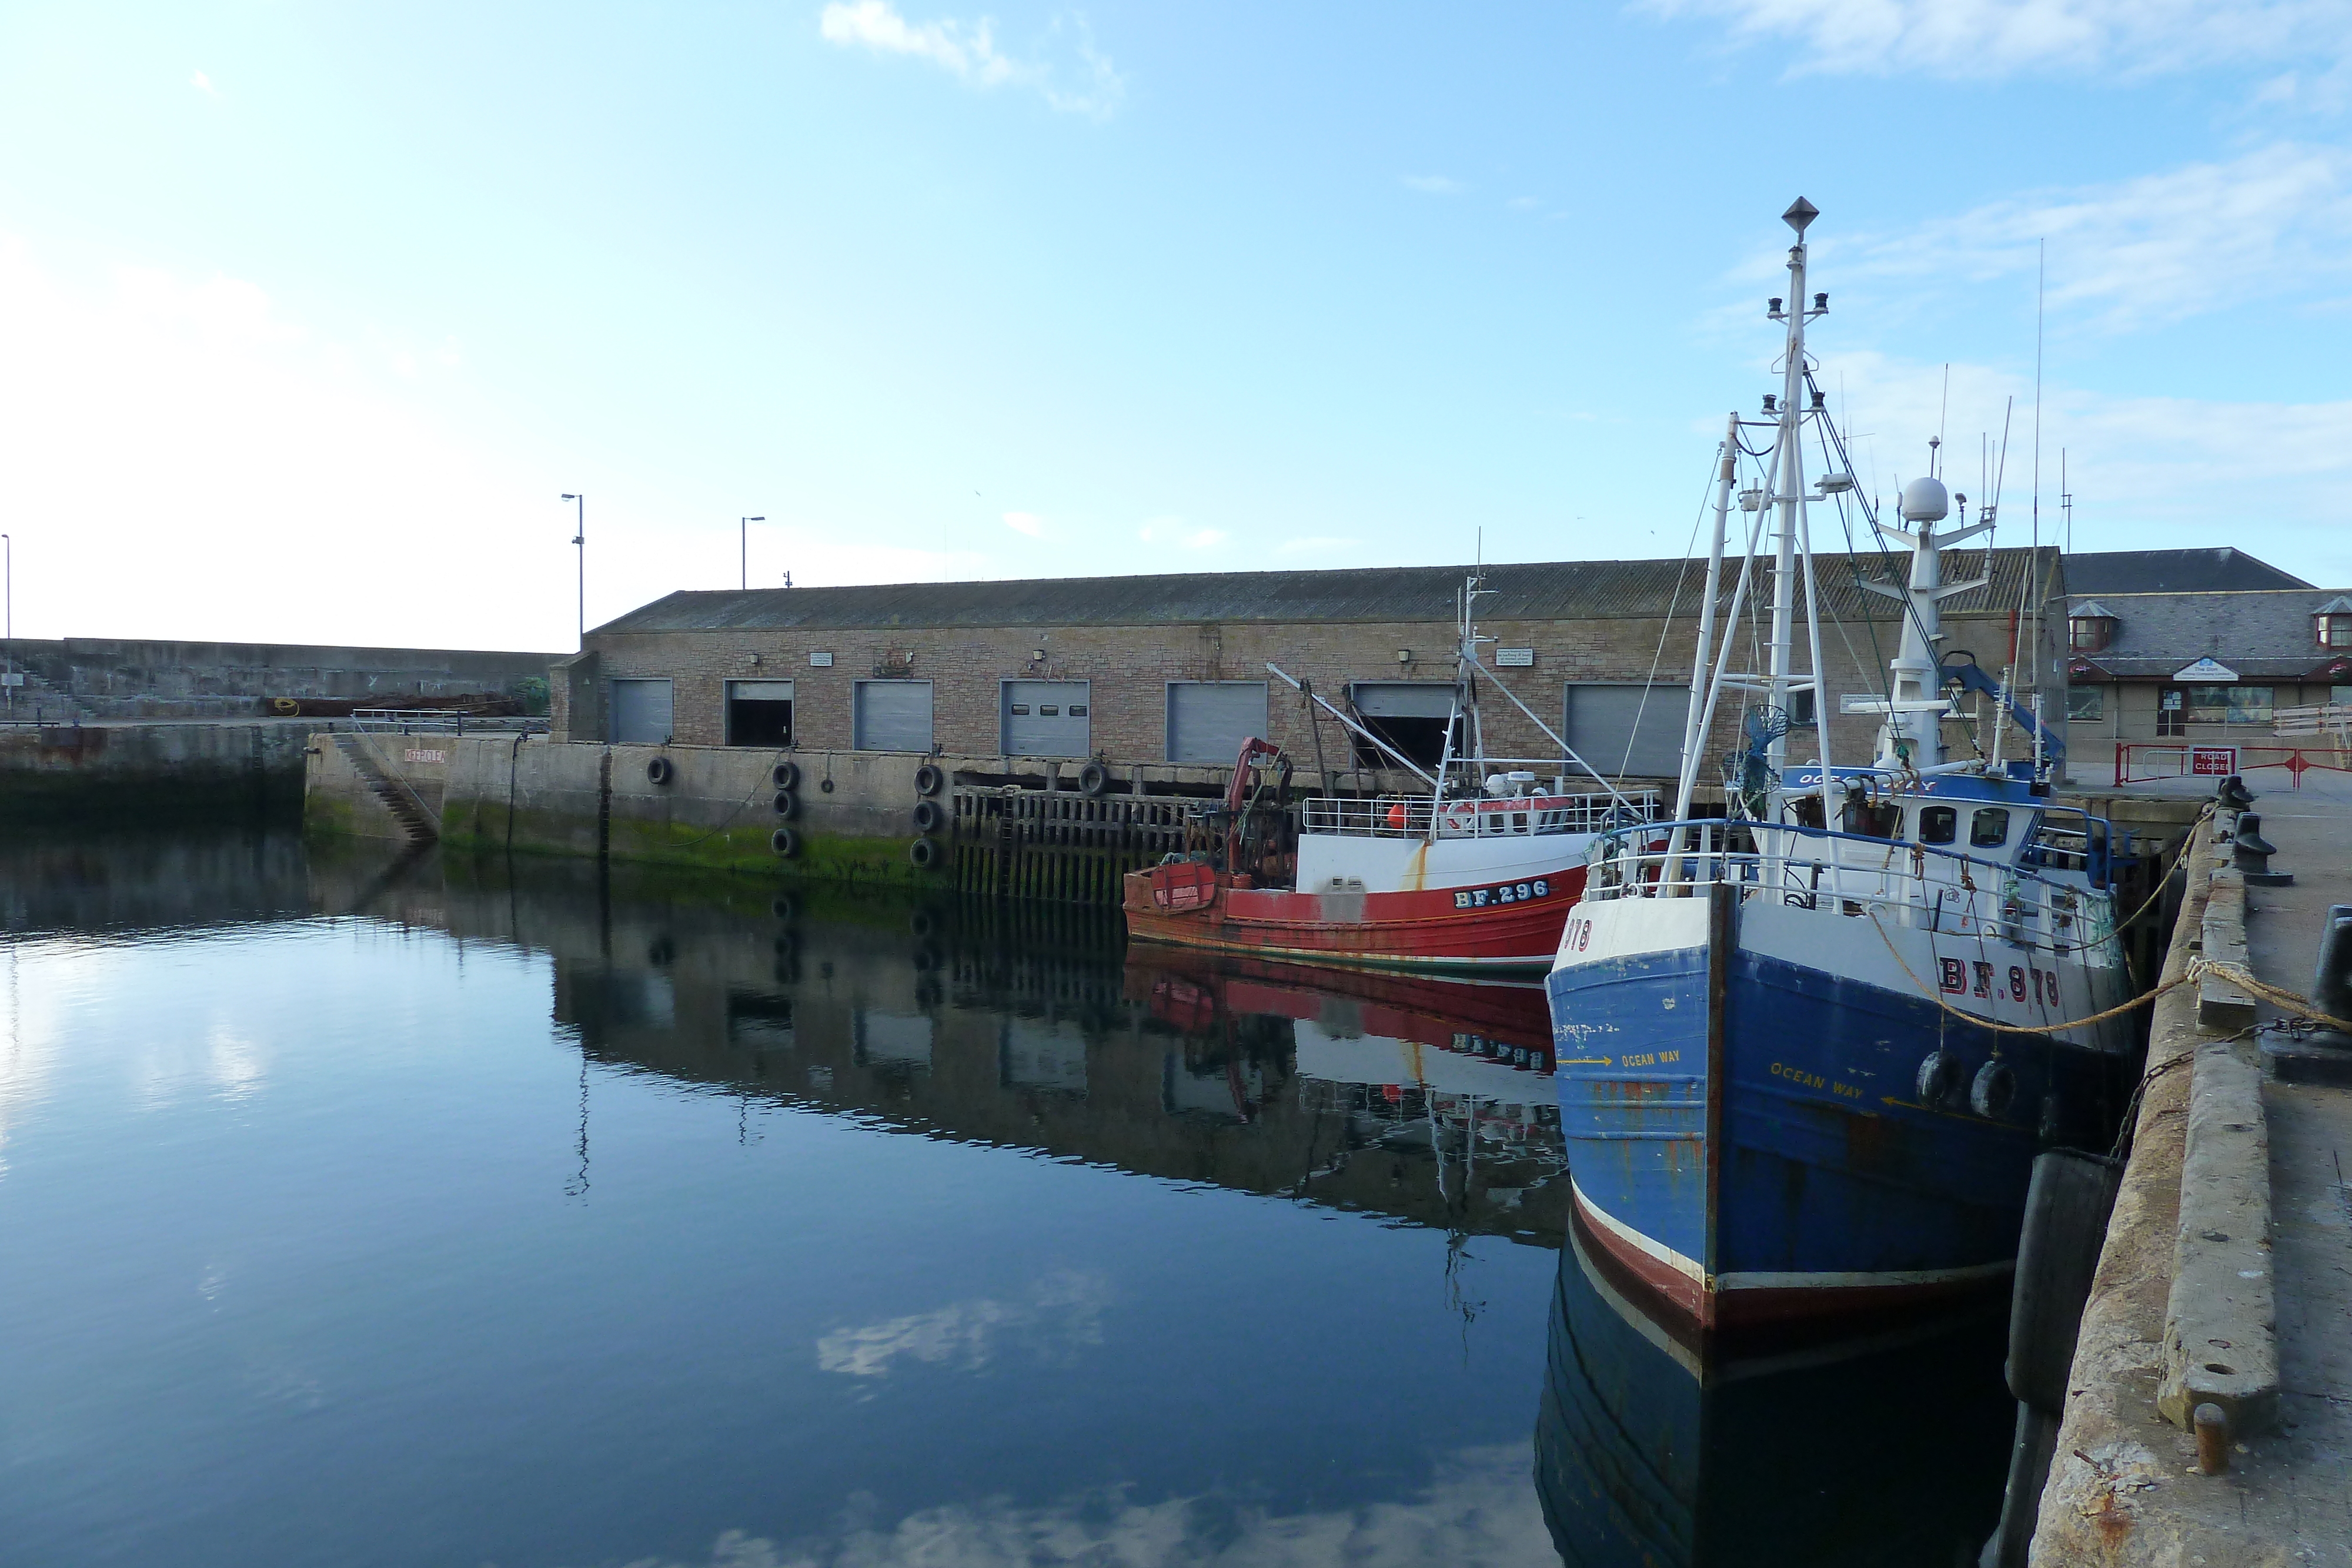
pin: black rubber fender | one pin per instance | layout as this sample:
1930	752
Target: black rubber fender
1093	779
785	776
923	853
1939	1075
1992	1090
928	778
787	804
785	842
661	771
928	816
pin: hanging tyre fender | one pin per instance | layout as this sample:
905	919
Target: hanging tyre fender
787	804
928	778
661	771
785	776
923	853
787	843
928	816
1093	779
1939	1075
1992	1090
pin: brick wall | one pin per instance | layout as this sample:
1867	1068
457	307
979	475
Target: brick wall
1130	668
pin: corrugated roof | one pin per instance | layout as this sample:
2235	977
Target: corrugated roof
1539	590
2224	569
2267	634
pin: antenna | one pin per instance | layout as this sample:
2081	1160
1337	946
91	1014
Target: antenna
2065	501
1943	414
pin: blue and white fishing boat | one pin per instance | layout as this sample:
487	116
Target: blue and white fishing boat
1778	1086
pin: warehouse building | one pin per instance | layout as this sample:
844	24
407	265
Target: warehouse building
1173	669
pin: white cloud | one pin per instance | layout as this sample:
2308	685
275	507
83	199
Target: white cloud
1061	1312
1479	1510
1025	523
2148	472
2155	248
1432	184
1068	70
202	84
1986	39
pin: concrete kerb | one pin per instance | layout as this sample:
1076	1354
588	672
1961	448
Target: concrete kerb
2221	1005
2182	1310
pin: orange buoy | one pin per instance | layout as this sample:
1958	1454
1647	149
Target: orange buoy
1396	816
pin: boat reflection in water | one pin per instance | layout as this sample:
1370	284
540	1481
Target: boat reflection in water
1453	1072
1657	1449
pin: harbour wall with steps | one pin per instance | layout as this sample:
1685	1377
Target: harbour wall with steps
1020	827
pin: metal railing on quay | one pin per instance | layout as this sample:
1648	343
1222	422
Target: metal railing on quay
442	721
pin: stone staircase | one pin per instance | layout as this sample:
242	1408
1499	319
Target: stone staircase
416	819
38	702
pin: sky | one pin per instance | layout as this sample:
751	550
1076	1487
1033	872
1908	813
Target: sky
309	313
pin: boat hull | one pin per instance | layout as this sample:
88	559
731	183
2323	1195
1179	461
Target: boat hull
1739	1093
1502	927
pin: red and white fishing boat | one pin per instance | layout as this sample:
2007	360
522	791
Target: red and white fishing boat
1476	875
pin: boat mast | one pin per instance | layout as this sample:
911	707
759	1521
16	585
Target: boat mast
1694	722
1791	469
1912	735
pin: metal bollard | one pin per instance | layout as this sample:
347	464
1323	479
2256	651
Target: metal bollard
2253	853
2331	983
2212	1438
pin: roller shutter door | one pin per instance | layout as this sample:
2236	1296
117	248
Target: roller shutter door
892	716
1623	737
1403	699
641	713
1047	718
1208	720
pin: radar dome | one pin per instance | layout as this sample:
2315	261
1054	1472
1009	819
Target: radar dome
1926	501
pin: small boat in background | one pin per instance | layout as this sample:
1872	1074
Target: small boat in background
1476	875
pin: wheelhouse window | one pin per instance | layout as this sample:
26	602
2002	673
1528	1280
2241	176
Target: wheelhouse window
1938	824
1988	829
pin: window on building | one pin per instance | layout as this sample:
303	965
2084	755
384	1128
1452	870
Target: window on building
2087	702
1938	824
2227	704
2090	634
1800	710
2332	627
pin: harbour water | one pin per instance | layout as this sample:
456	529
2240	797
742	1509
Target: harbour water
382	1211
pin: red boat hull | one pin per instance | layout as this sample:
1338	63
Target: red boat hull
1510	926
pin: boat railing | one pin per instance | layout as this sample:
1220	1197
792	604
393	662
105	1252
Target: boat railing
1854	875
1483	817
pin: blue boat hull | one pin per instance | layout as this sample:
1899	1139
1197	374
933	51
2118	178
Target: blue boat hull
1744	1131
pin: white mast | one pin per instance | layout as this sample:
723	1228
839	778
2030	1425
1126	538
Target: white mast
1694	721
1791	486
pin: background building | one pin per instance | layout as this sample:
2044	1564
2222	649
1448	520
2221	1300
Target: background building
2203	646
1173	668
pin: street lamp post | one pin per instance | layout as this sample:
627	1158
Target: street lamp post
581	539
746	545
